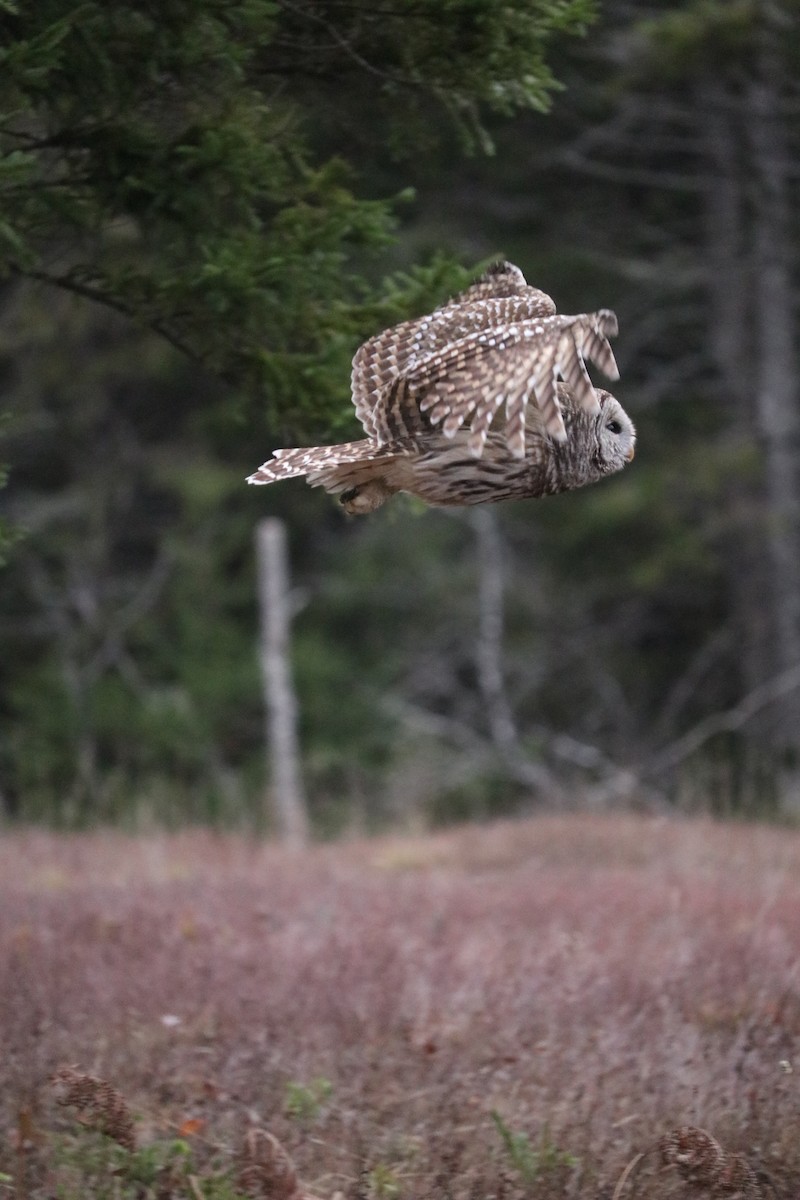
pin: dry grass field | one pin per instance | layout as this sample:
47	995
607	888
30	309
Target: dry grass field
515	1010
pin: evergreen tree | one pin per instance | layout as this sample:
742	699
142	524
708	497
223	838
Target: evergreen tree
182	165
155	157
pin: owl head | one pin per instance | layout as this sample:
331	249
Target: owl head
615	435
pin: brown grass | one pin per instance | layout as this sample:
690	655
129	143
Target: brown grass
594	981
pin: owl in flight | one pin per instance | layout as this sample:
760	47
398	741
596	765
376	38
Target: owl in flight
486	398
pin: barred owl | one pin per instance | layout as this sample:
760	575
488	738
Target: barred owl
464	406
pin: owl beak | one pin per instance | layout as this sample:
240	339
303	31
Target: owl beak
631	453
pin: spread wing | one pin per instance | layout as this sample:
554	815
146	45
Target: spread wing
472	378
499	297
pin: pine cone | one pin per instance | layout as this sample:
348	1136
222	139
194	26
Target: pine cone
698	1157
100	1105
266	1172
737	1179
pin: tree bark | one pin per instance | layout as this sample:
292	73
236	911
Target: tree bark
287	795
503	733
776	390
731	320
491	617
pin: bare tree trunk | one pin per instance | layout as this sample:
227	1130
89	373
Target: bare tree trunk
288	798
729	283
730	329
776	388
489	655
491	616
752	327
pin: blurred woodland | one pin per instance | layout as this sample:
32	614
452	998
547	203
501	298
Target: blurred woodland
205	205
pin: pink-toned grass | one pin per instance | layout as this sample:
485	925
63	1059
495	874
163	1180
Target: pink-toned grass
597	981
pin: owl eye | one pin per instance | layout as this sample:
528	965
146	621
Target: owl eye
614	427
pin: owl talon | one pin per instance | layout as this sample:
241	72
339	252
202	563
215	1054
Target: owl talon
365	498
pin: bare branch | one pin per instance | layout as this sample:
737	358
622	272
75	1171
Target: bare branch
341	42
664	381
724	722
112	650
516	765
69	284
687	683
638	176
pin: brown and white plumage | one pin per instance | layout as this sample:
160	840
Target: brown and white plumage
484	399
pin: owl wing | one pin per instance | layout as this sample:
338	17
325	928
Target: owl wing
507	365
501	279
497	298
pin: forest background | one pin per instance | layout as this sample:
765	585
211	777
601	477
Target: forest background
204	207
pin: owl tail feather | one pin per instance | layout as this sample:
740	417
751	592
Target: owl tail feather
312	461
356	469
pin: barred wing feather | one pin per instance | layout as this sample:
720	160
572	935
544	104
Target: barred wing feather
397	352
478	374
